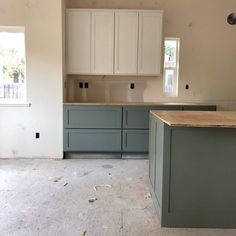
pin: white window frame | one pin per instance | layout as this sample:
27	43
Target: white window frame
17	101
175	69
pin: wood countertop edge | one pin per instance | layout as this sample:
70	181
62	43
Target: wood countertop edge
200	125
196	125
136	104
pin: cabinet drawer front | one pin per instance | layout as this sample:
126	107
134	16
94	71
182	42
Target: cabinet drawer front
135	140
138	117
92	117
97	140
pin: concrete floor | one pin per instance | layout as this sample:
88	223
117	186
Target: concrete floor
50	198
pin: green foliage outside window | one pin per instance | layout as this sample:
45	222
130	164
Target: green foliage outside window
13	68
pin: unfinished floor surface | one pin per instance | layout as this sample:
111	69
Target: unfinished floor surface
51	198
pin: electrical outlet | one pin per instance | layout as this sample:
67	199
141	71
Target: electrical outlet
81	85
86	85
132	86
37	135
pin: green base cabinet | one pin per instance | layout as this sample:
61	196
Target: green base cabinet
107	128
192	174
136	126
92	128
92	140
92	117
135	141
137	117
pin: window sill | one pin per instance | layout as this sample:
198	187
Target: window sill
15	104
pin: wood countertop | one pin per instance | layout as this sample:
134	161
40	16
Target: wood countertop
138	104
225	119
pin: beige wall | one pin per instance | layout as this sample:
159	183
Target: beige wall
208	48
43	26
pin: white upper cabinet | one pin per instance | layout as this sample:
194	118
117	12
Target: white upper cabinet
150	43
78	38
102	42
114	42
126	43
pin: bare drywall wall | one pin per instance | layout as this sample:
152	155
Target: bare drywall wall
207	50
43	28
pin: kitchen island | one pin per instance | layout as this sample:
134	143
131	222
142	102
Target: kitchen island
192	168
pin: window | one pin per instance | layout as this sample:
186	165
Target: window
12	65
171	66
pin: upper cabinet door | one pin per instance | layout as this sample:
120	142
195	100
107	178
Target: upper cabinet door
78	27
102	42
126	43
150	43
120	42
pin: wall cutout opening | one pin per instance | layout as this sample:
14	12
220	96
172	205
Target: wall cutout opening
171	66
12	65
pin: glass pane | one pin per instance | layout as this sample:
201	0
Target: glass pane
12	65
170	53
169	81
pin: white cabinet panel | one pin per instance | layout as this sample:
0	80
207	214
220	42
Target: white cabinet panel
120	42
126	42
102	42
78	27
150	43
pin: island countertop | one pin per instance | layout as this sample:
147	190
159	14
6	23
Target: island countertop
225	119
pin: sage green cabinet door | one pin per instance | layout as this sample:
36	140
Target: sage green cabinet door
152	150
137	117
199	108
135	141
159	143
203	170
92	140
89	117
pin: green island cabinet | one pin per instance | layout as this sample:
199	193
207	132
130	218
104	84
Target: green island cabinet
111	128
192	172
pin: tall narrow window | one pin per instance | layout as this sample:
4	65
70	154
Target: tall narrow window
12	65
171	66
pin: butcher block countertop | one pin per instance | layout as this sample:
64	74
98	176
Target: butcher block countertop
224	119
139	103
